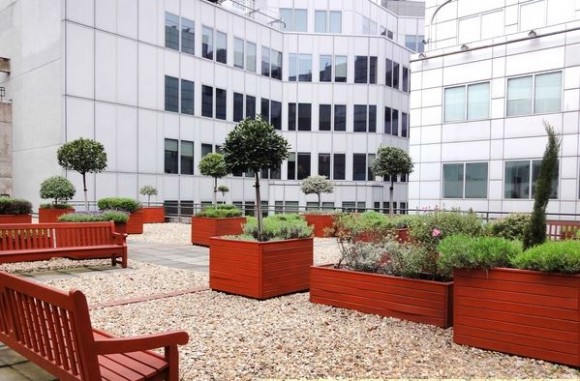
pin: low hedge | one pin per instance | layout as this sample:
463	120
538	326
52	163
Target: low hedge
108	215
16	206
220	211
277	227
124	204
552	256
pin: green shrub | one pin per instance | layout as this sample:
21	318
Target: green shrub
58	188
468	252
511	227
278	227
123	204
109	215
10	205
551	256
221	211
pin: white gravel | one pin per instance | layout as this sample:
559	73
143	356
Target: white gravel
236	338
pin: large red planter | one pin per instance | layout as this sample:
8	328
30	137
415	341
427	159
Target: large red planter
15	218
202	228
135	222
52	214
526	313
320	223
416	300
260	270
153	214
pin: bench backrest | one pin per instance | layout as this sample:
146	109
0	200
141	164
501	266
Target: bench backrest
50	327
562	229
84	234
25	236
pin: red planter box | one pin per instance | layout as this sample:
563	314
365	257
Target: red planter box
51	215
15	219
121	228
260	270
526	313
202	228
320	222
153	214
135	222
420	301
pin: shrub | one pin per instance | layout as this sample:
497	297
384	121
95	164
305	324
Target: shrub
148	190
552	256
317	185
109	215
468	252
370	223
511	227
123	204
10	205
278	227
221	211
58	188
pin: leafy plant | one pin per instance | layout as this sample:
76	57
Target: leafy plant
148	190
123	204
278	227
223	189
109	215
391	162
18	206
213	165
511	227
468	252
536	233
254	145
58	188
316	185
551	256
220	211
84	156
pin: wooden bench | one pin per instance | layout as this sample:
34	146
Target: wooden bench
39	242
52	328
557	230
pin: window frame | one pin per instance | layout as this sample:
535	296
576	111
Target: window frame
465	102
534	89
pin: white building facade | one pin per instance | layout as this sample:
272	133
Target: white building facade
161	83
492	73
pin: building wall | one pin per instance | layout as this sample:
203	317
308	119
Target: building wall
5	148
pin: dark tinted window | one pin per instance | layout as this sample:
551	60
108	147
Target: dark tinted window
324	117
238	107
220	104
339	117
171	94
207	101
187	96
360	69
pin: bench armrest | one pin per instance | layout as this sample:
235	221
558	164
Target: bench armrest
120	238
140	343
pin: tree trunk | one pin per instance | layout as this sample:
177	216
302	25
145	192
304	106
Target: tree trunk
214	200
391	199
258	205
85	192
319	203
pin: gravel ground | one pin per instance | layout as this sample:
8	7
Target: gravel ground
236	338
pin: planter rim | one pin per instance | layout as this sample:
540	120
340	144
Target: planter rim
330	267
241	241
511	270
217	218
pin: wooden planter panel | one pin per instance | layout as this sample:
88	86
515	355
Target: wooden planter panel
416	300
51	215
320	223
260	270
153	214
135	222
15	219
202	228
525	313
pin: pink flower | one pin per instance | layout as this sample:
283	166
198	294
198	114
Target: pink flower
436	233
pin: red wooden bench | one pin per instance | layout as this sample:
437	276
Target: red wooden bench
39	242
562	229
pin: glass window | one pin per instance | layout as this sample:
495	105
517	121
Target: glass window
276	114
276	64
305	68
372	69
361	69
420	43
291	116
453	180
548	93
519	96
300	20
265	61
360	118
320	22
372	118
359	167
250	106
238	53
405	79
455	104
340	68
171	94
171	31
324	117
291	166
338	166
171	156
325	68
187	36
206	149
287	15
221	47
476	180
388	120
411	42
303	166
395	75
265	109
536	172
187	92
370	161
335	22
324	164
207	42
221	104
389	73
186	157
339	117
292	67
395	123
250	57
478	101
238	107
517	179
404	125
207	101
304	117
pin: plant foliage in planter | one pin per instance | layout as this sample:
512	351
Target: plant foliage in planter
552	256
124	204
116	216
148	190
14	206
60	189
511	227
277	227
220	211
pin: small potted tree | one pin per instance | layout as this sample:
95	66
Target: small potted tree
127	205
15	211
151	214
391	162
60	189
320	219
275	255
223	189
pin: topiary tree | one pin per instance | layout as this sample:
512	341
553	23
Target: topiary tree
316	184
84	156
148	190
391	162
58	188
223	189
213	165
536	232
254	145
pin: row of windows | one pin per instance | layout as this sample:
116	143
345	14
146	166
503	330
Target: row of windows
530	94
179	155
296	20
469	180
